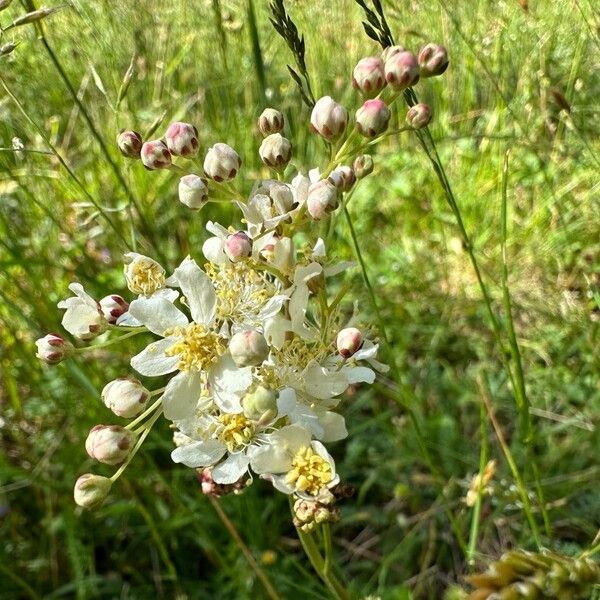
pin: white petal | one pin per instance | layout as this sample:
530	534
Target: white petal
319	248
217	229
213	251
272	307
322	452
334	427
323	384
152	361
181	395
229	382
157	313
358	374
280	484
304	416
231	469
339	268
199	454
127	320
286	402
169	294
304	274
368	350
275	330
198	289
269	459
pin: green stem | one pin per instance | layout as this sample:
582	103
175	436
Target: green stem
111	341
318	563
245	550
405	392
477	508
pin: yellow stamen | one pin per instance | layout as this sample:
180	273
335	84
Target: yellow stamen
237	431
144	276
310	472
198	347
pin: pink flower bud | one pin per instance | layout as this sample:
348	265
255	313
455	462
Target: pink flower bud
433	60
222	162
349	341
372	118
155	155
390	51
238	246
182	139
126	397
53	349
113	307
91	490
342	177
130	143
328	119
402	70
109	444
248	348
363	165
275	151
418	116
192	191
368	76
322	199
270	121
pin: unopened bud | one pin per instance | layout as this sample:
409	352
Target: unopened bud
155	155
322	199
349	341
275	151
368	76
390	51
363	165
109	444
328	119
248	348
53	349
372	118
192	191
270	121
260	405
418	116
130	143
342	177
182	139
433	60
126	397
113	307
402	70
91	490
222	162
238	246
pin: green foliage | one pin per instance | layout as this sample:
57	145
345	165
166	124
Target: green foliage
511	73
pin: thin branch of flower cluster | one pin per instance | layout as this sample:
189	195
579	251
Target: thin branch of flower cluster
256	337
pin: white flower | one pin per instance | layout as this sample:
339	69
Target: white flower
83	317
192	348
294	463
271	202
220	440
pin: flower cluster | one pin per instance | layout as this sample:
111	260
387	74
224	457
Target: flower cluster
252	351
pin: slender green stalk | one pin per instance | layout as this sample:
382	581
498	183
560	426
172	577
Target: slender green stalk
245	550
520	389
95	133
513	467
318	563
406	394
62	161
477	508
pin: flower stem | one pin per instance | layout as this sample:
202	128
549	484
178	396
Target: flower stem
245	550
111	341
321	566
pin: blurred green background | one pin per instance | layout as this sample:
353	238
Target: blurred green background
523	77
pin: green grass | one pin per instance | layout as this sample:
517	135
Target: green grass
157	536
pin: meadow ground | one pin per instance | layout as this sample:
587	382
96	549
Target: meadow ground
522	79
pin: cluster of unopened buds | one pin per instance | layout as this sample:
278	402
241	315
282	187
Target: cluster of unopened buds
253	350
